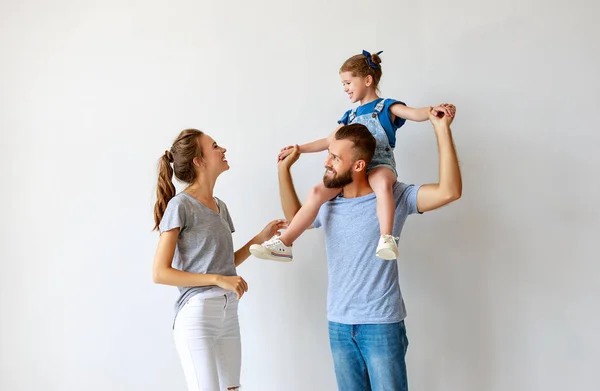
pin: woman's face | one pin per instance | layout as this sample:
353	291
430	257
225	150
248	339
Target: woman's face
213	155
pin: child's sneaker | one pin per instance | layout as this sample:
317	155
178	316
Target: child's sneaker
273	249
387	247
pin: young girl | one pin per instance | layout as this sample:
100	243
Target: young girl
195	253
360	76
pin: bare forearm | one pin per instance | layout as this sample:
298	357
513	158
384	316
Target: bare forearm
243	253
289	199
315	146
421	114
174	277
410	113
450	181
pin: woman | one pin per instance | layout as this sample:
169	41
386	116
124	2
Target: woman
195	253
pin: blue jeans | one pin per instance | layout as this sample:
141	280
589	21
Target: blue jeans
369	357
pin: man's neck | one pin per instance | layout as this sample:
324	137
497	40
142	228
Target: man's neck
358	188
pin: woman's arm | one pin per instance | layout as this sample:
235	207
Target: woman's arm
164	273
244	252
274	227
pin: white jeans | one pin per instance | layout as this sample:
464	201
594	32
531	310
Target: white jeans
207	338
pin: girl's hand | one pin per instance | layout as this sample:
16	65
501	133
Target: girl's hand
444	109
233	283
285	152
274	227
291	158
438	119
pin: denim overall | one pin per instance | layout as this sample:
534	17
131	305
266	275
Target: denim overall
384	153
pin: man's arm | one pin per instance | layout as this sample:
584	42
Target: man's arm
289	199
449	188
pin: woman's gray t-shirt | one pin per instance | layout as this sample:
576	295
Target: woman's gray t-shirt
204	245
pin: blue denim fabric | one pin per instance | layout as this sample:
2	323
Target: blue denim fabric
384	153
369	357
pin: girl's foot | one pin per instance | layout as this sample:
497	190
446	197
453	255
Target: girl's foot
273	250
387	247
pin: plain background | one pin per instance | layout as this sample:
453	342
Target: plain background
501	287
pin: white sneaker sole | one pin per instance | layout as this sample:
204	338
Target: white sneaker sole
387	254
263	253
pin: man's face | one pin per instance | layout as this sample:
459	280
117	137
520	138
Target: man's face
339	164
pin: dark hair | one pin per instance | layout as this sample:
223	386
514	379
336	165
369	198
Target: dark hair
185	148
359	66
363	140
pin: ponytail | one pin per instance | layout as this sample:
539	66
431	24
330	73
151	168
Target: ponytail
179	160
165	189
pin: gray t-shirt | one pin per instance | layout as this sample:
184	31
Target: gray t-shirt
363	289
204	245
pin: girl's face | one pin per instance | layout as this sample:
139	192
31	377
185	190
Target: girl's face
355	86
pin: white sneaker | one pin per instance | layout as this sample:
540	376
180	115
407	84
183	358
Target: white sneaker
273	250
387	247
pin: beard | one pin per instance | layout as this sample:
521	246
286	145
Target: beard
337	180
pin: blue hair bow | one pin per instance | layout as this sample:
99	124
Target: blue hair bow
371	63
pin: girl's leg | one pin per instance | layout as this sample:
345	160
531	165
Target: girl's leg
382	180
196	327
318	195
280	248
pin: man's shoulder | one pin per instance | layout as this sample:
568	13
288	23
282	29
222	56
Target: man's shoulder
400	187
341	200
403	185
335	201
405	195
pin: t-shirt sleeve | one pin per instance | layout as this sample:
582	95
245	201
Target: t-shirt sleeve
317	223
345	117
174	216
406	198
398	122
227	215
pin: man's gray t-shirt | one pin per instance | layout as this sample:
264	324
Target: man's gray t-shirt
363	289
204	245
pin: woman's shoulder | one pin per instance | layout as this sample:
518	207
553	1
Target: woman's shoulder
179	199
181	202
221	203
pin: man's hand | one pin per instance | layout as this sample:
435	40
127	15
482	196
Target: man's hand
438	117
449	186
443	110
289	199
293	153
285	152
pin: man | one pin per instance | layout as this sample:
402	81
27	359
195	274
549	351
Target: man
365	308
